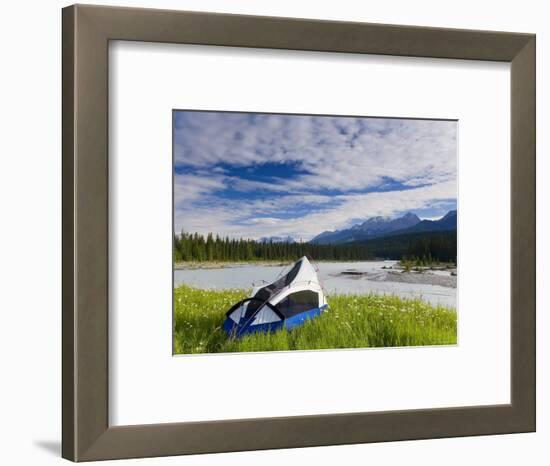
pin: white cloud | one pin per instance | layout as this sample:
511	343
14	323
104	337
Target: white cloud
188	188
343	155
353	153
239	221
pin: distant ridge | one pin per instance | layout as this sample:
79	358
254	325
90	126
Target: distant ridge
277	239
379	227
446	223
372	228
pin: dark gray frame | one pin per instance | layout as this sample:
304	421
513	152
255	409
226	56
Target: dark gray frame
86	33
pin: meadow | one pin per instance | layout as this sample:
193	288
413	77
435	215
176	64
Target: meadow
352	321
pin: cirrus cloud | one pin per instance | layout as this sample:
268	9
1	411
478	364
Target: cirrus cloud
257	175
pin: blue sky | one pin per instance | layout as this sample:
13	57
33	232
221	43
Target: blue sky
256	175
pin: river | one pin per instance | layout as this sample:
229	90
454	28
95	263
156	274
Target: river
361	278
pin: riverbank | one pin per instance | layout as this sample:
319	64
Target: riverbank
224	265
440	277
193	265
425	278
362	277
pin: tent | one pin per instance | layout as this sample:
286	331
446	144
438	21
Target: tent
288	302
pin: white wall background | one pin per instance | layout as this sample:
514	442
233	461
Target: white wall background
30	237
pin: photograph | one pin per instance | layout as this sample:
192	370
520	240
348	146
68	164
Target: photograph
313	232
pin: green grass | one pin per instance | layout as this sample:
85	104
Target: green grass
353	321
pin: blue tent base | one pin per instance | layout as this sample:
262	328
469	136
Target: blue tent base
235	330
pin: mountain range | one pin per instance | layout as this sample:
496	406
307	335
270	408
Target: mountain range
276	239
378	227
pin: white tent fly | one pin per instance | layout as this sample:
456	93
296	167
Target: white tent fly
289	301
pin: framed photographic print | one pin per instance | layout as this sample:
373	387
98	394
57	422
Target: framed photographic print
255	265
334	221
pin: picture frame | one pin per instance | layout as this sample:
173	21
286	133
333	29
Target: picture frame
86	433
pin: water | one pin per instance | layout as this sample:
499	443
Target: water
330	273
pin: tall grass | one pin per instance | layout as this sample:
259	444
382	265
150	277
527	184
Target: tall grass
352	321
